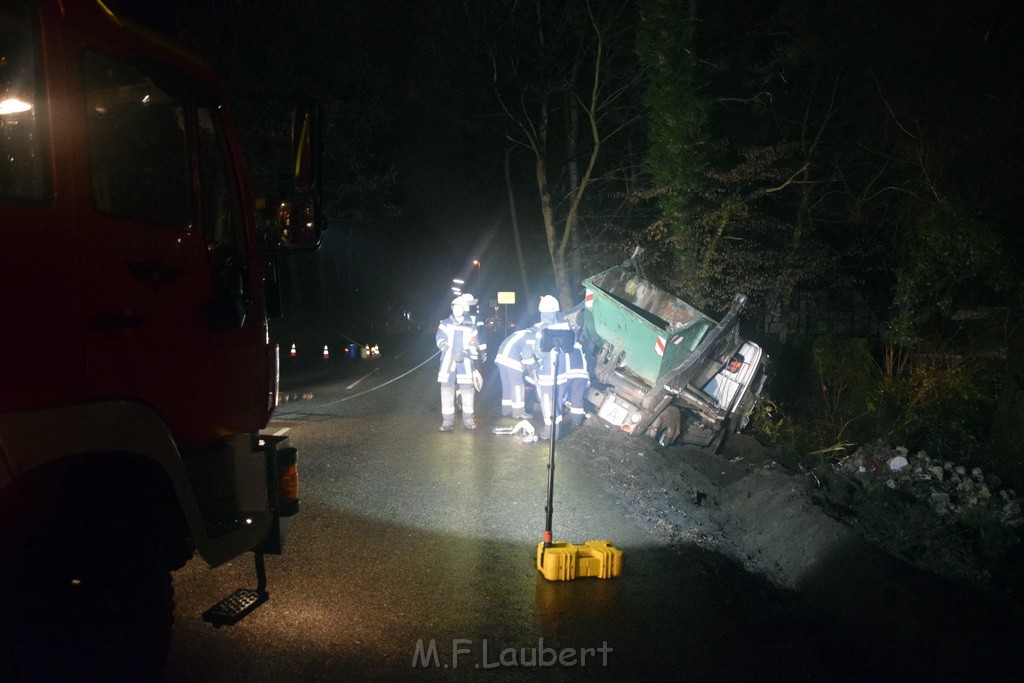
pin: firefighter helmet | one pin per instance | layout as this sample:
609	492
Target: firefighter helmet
548	304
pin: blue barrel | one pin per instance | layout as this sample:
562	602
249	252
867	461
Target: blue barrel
352	351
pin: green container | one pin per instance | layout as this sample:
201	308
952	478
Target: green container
653	330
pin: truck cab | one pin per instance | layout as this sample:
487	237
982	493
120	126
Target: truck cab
136	367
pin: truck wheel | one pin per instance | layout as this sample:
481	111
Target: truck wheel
666	427
88	605
717	442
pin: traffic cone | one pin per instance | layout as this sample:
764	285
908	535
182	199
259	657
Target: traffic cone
292	354
327	354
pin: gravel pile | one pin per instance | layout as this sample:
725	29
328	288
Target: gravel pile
947	487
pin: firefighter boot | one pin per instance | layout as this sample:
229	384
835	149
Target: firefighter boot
545	432
447	407
468	394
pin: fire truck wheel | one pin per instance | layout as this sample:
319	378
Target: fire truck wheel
92	604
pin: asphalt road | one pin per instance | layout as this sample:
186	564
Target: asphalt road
413	557
412	541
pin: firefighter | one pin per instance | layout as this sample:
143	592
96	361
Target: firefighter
562	383
457	340
548	388
515	359
548	309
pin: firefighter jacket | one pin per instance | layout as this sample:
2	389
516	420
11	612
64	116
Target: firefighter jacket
481	336
573	365
531	350
457	338
516	352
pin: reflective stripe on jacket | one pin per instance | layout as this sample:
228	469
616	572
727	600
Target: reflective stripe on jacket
573	365
511	351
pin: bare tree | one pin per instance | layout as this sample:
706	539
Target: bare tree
565	62
513	211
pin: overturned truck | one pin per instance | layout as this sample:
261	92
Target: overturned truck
660	367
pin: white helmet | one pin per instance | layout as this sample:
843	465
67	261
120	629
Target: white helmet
468	299
548	304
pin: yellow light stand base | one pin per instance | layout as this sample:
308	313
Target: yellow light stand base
565	561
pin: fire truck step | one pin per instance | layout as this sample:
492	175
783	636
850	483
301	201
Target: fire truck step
235	607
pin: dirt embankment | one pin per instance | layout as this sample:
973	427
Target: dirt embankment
742	503
784	522
854	598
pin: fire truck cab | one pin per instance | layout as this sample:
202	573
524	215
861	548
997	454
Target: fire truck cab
136	367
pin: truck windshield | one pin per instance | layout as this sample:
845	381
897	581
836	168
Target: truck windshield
24	162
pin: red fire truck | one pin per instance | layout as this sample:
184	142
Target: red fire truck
136	368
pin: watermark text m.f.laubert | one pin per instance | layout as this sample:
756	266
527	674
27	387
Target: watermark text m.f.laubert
484	655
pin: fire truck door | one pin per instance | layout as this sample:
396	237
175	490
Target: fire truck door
165	301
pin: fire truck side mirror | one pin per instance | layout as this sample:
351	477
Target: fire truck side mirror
298	217
297	222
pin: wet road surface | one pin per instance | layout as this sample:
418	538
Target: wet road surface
413	558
